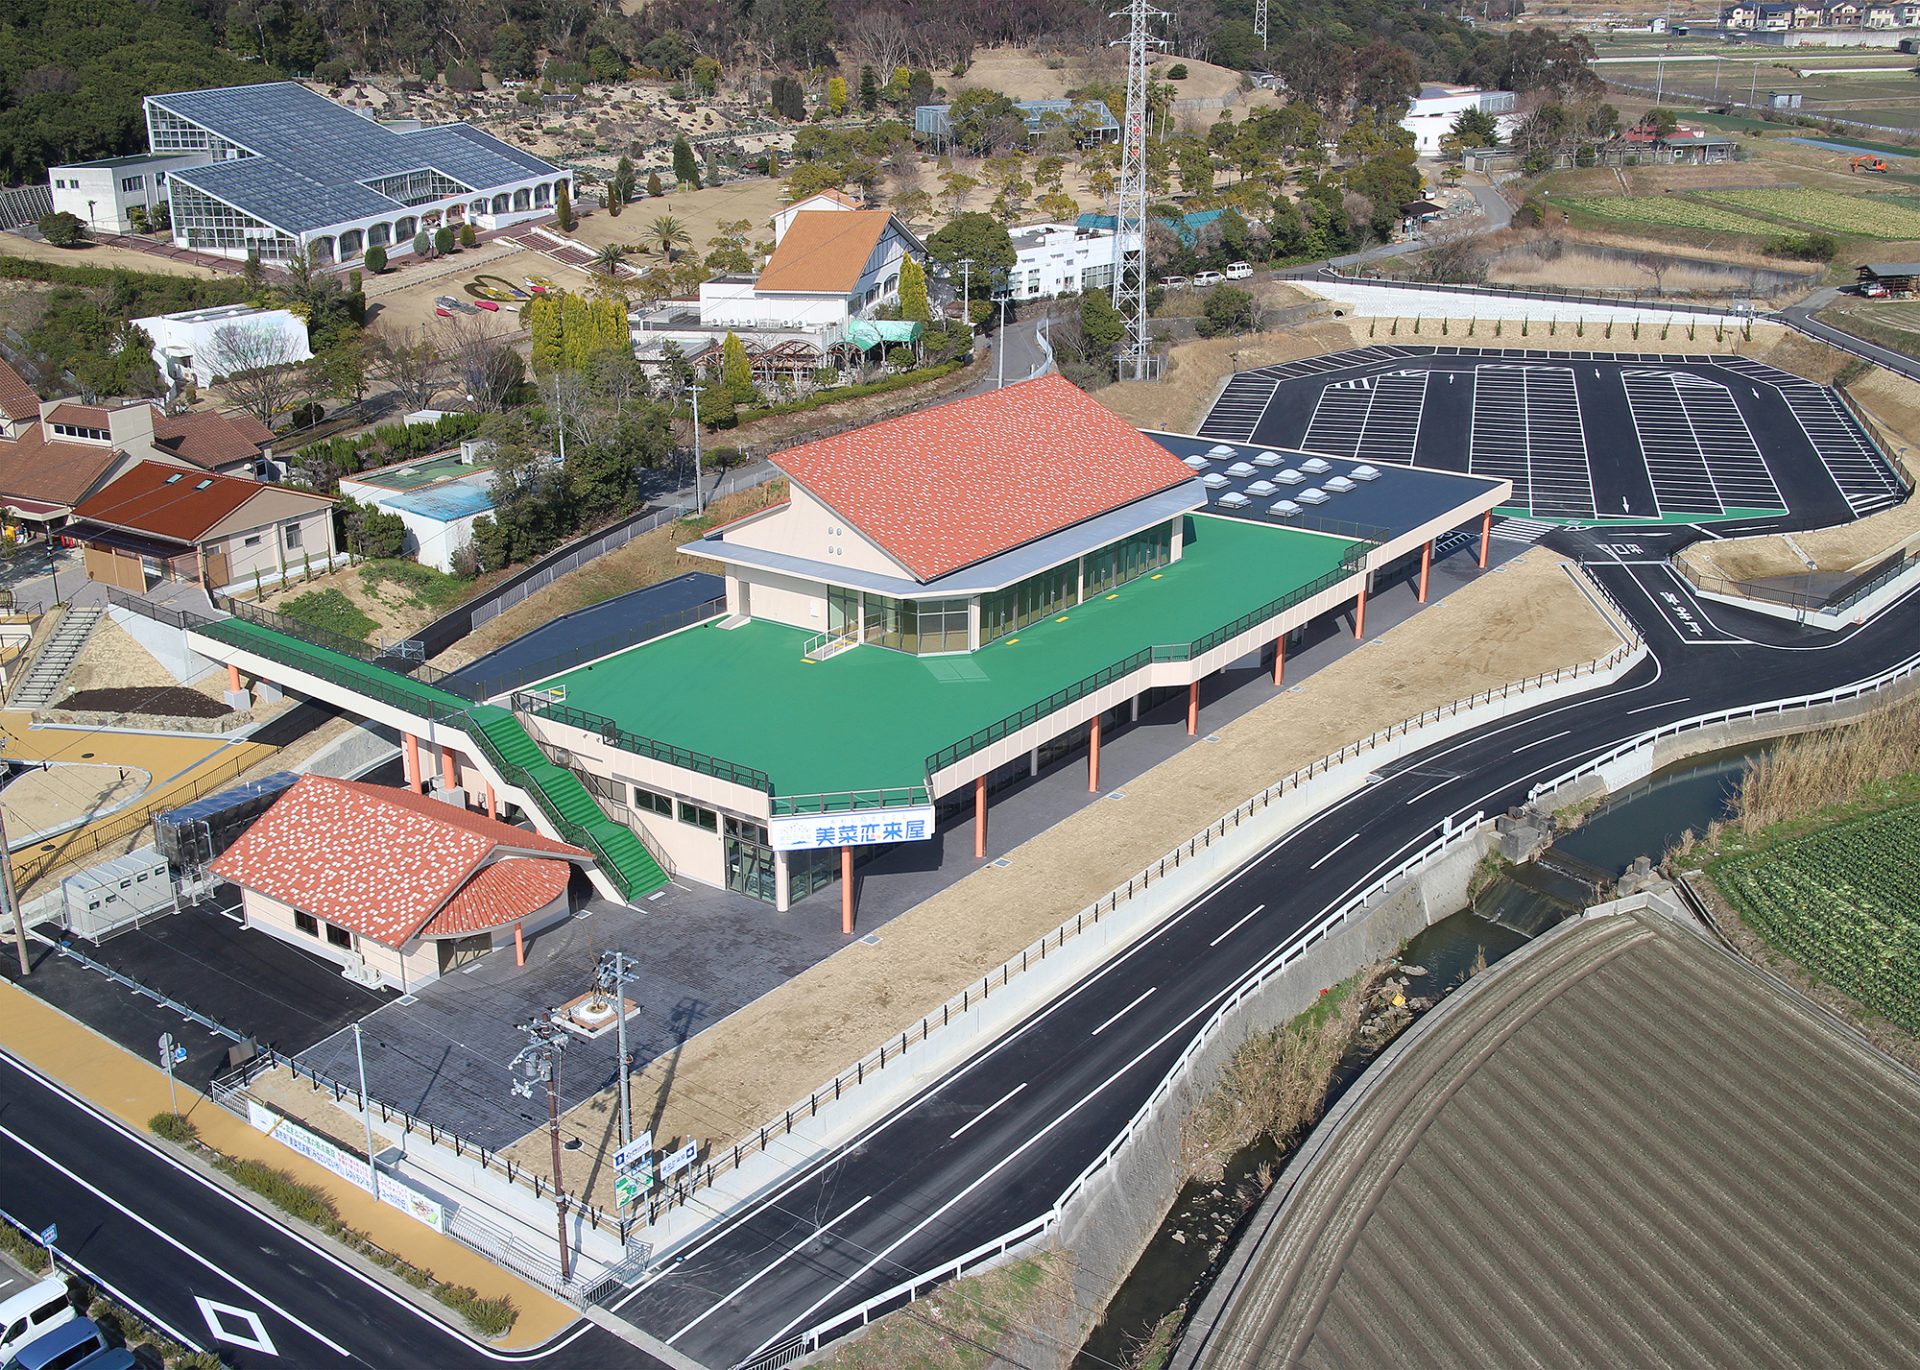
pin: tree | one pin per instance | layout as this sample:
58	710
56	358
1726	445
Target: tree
976	118
727	249
980	237
654	188
543	323
736	371
1476	128
563	208
376	260
913	292
869	90
423	244
706	75
512	53
608	259
468	238
443	241
787	99
61	229
412	368
670	233
370	531
1102	329
262	368
837	95
1229	309
485	364
686	171
344	367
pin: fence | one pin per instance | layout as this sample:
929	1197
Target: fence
614	735
790	1350
700	1177
185	1010
1808	601
544	572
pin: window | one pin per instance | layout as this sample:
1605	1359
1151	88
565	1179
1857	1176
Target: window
307	923
918	627
130	184
1035	598
699	817
253	541
1128	558
652	802
339	937
293	535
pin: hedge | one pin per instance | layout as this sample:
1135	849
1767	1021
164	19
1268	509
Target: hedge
821	399
220	290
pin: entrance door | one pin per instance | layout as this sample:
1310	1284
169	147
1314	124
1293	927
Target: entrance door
459	951
749	860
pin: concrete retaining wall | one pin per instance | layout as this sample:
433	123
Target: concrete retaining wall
1374	301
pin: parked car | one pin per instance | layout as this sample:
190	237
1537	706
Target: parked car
1873	290
1239	271
66	1347
1174	282
1207	278
34	1312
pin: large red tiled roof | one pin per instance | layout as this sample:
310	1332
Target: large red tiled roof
386	863
174	502
17	399
55	471
211	440
824	250
961	482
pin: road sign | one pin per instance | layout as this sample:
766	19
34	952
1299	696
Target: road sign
50	1235
634	1152
626	1190
166	1050
678	1161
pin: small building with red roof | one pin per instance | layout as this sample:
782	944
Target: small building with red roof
398	888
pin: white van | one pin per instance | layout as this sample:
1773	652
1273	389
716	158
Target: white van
34	1312
1239	271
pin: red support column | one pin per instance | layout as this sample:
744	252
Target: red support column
410	750
846	891
979	817
1193	708
233	677
1279	658
1486	536
493	802
1360	612
449	770
1093	756
1426	565
519	946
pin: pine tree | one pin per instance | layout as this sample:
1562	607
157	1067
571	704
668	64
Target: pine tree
654	188
543	318
736	371
685	169
563	208
836	95
773	165
913	292
576	332
869	90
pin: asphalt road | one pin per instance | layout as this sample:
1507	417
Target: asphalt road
1801	316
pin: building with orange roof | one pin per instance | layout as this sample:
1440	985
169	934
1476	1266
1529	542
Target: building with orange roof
396	888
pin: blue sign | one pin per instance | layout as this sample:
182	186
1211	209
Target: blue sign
51	1235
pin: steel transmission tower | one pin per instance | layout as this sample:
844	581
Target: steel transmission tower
1260	22
1130	220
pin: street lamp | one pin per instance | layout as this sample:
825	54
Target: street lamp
1000	293
693	391
538	1063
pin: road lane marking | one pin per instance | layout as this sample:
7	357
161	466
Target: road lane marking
989	1108
1431	788
1542	741
1649	708
771	1266
1122	1013
1329	856
170	1240
255	1338
1236	927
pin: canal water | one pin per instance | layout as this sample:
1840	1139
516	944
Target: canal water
1645	819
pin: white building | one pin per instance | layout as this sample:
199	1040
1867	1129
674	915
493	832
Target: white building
438	497
198	346
832	262
276	169
1431	115
1063	259
104	194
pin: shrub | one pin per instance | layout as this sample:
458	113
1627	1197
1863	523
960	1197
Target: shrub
375	261
853	392
443	241
61	229
330	611
1177	72
173	1127
1229	309
488	1317
1805	247
423	244
468	238
309	1203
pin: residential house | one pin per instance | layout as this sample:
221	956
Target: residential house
395	888
1065	259
438	497
1431	114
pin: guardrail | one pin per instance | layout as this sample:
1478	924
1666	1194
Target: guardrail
386	660
804	1343
1351	565
896	1046
1562	294
614	735
1838	601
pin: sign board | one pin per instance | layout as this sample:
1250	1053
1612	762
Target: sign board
678	1161
867	828
50	1235
626	1190
634	1152
348	1165
166	1051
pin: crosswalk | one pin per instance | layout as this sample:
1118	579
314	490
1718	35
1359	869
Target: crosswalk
1524	531
1375	417
1527	429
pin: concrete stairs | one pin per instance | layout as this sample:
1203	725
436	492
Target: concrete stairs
49	670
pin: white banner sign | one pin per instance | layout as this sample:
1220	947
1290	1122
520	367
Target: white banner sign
867	828
634	1152
347	1165
675	1162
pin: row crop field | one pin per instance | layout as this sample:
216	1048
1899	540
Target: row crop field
1844	904
1667	211
1871	216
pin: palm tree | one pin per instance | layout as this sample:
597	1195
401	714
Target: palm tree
608	259
670	233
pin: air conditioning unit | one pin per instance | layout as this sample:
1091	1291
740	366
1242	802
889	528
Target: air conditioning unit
357	970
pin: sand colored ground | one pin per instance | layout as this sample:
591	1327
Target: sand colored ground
42	800
1025	74
134	1091
700	212
180	764
395	616
112	658
1528	617
96	254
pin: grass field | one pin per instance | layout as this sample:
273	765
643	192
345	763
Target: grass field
1870	216
1841	902
1665	211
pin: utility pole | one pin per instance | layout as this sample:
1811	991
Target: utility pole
366	1112
611	977
538	1063
693	389
966	294
1130	268
6	886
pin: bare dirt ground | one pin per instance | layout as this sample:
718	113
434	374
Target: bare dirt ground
395	617
1522	619
113	658
700	212
95	254
1025	74
40	801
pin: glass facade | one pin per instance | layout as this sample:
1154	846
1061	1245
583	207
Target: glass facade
1130	557
752	868
917	627
416	187
1038	597
168	132
210	225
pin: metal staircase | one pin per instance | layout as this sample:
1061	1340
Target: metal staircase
49	670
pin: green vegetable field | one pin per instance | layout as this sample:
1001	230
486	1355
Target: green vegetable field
1843	903
1667	211
1871	216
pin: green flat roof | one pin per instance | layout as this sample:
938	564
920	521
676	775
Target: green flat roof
427	470
869	718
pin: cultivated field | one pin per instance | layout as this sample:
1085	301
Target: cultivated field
1665	211
1873	216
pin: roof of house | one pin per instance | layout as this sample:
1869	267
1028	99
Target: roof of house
174	502
36	467
958	483
839	197
212	440
392	865
17	400
824	251
79	415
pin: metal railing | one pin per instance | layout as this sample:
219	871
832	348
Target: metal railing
1836	601
484	679
850	801
804	1343
399	662
896	1046
1351	565
1360	275
610	732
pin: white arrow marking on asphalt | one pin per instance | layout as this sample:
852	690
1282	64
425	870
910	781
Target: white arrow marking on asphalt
255	1338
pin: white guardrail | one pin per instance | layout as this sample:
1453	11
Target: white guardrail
807	1342
956	1009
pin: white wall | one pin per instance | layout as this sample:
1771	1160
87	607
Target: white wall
93	193
807	528
1062	258
191	339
